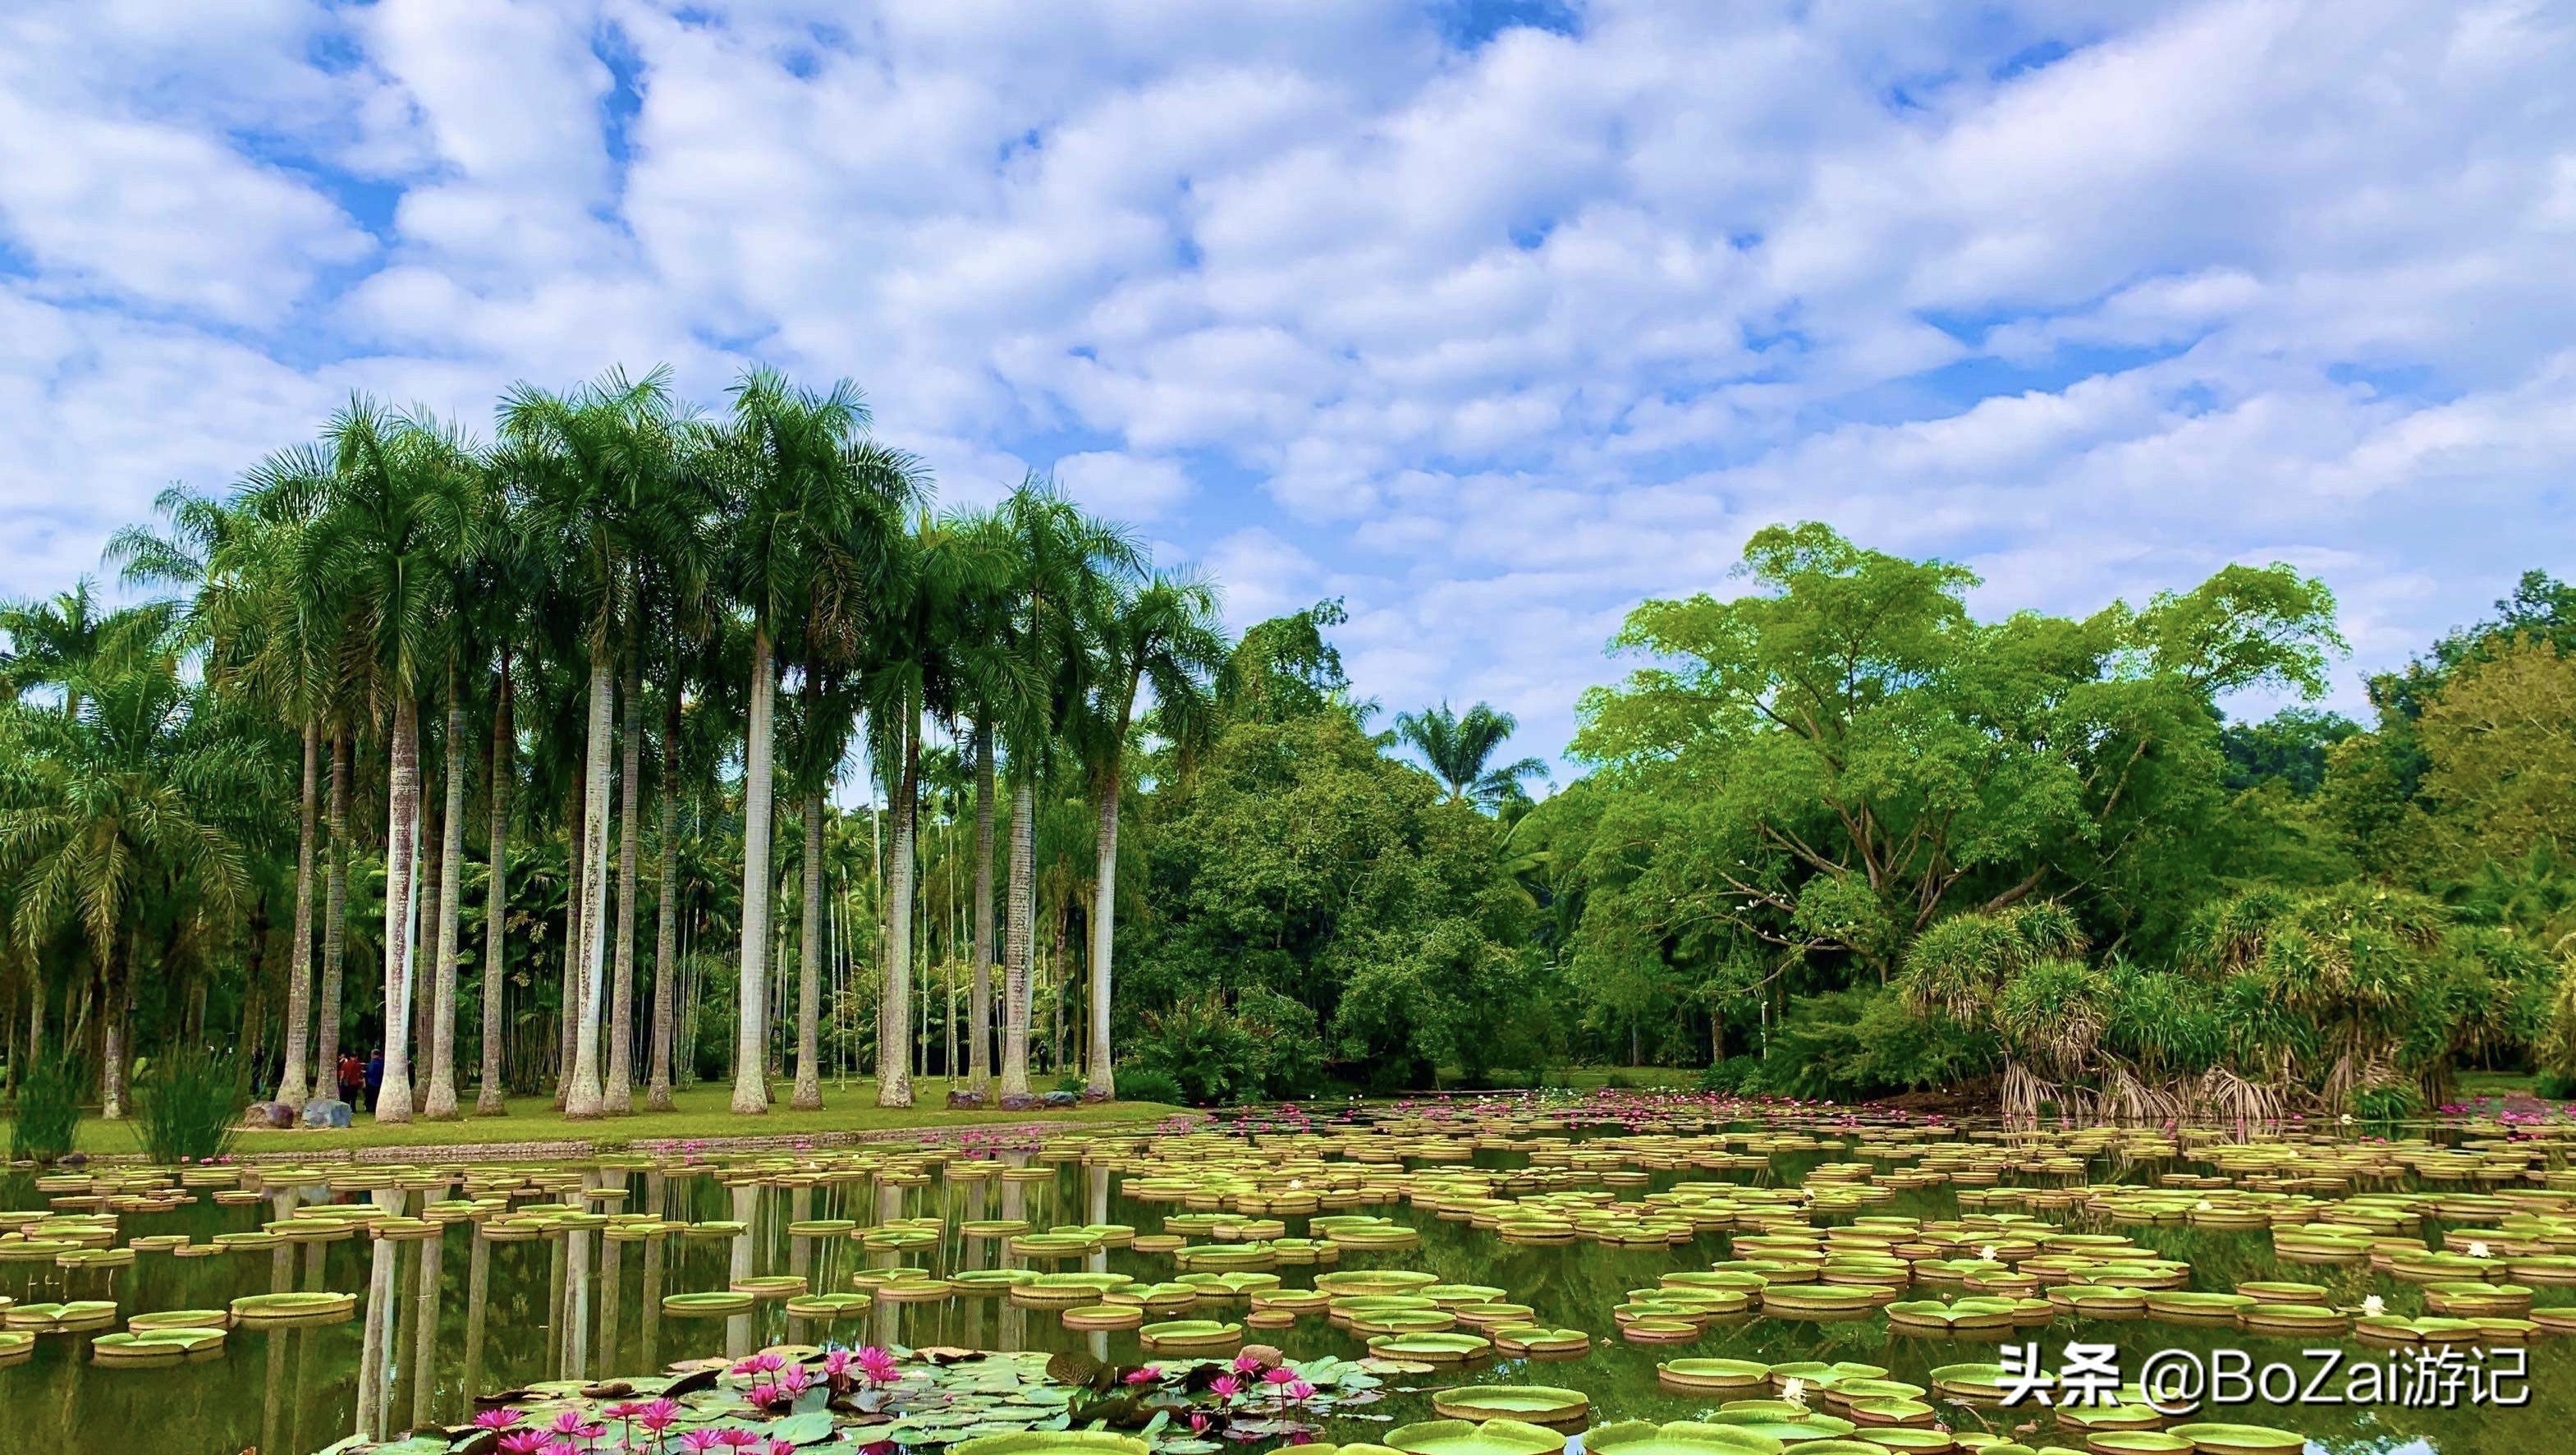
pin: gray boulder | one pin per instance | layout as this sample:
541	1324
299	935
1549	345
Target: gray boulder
331	1114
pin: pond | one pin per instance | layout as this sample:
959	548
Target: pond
1673	1251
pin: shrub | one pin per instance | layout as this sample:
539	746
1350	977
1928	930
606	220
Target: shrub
49	1109
2382	1105
1619	1081
1851	1045
1734	1076
2555	1086
1145	1083
187	1106
1210	1056
1072	1081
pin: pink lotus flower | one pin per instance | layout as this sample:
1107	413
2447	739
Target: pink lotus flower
500	1419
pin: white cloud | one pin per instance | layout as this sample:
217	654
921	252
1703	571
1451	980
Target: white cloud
1502	338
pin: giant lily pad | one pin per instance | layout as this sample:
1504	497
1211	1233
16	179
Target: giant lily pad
1681	1437
154	1348
1428	1347
1463	1437
2242	1438
1539	1404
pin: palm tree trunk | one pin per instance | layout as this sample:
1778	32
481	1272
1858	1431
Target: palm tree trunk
894	1011
620	1096
666	926
750	1071
402	827
295	1084
441	1105
809	966
568	995
496	898
111	1061
582	1098
335	910
979	1005
420	993
1104	900
1019	928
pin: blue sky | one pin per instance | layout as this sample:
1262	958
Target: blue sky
1490	316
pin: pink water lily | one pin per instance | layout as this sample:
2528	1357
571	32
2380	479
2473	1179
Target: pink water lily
1225	1386
1146	1375
1299	1390
523	1442
658	1415
878	1365
698	1441
1282	1374
738	1439
500	1419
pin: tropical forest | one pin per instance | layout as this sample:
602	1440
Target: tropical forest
618	751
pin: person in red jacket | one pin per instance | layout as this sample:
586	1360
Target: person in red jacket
353	1078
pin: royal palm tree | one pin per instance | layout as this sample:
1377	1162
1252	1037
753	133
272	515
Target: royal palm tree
813	504
1458	746
930	656
1058	559
397	514
1163	637
606	457
260	639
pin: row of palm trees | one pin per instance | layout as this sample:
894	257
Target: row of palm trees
619	601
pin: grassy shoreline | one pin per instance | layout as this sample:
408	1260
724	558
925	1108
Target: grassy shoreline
700	1114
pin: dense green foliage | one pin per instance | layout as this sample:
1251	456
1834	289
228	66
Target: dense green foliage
49	1109
184	1105
1895	846
543	749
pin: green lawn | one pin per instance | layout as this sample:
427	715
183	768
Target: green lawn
701	1112
2475	1084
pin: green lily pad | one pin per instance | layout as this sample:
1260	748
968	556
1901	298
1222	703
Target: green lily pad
1540	1404
2225	1439
1681	1437
1432	1348
1463	1437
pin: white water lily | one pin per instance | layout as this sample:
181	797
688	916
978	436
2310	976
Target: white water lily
2203	1205
2479	1250
1795	1392
2374	1306
2347	1118
1988	1253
